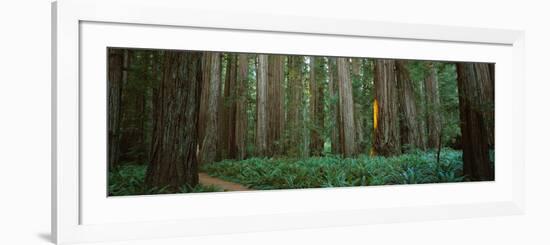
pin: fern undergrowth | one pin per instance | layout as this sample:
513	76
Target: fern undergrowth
416	167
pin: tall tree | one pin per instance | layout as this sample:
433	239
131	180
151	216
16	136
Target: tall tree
433	110
210	142
473	118
205	93
228	109
334	109
347	136
275	107
386	126
261	105
173	161
295	95
410	127
241	116
486	72
117	61
316	106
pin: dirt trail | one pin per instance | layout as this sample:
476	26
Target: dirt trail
204	179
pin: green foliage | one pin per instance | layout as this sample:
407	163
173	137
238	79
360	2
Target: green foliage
130	180
448	91
448	95
333	171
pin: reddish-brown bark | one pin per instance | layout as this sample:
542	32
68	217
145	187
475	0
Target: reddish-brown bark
386	131
174	142
473	122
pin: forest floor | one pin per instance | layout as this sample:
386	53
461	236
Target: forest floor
206	180
416	167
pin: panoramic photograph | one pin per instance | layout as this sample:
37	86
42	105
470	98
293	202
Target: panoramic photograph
201	121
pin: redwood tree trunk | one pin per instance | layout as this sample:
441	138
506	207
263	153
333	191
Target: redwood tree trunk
473	118
173	161
334	108
241	117
486	72
227	122
208	153
261	106
410	127
275	100
347	136
205	93
116	60
433	122
386	130
316	108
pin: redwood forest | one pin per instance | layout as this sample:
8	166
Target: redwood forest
203	121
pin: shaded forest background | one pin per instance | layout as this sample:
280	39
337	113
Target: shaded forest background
172	113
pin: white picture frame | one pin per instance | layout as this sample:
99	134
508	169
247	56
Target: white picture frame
82	212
